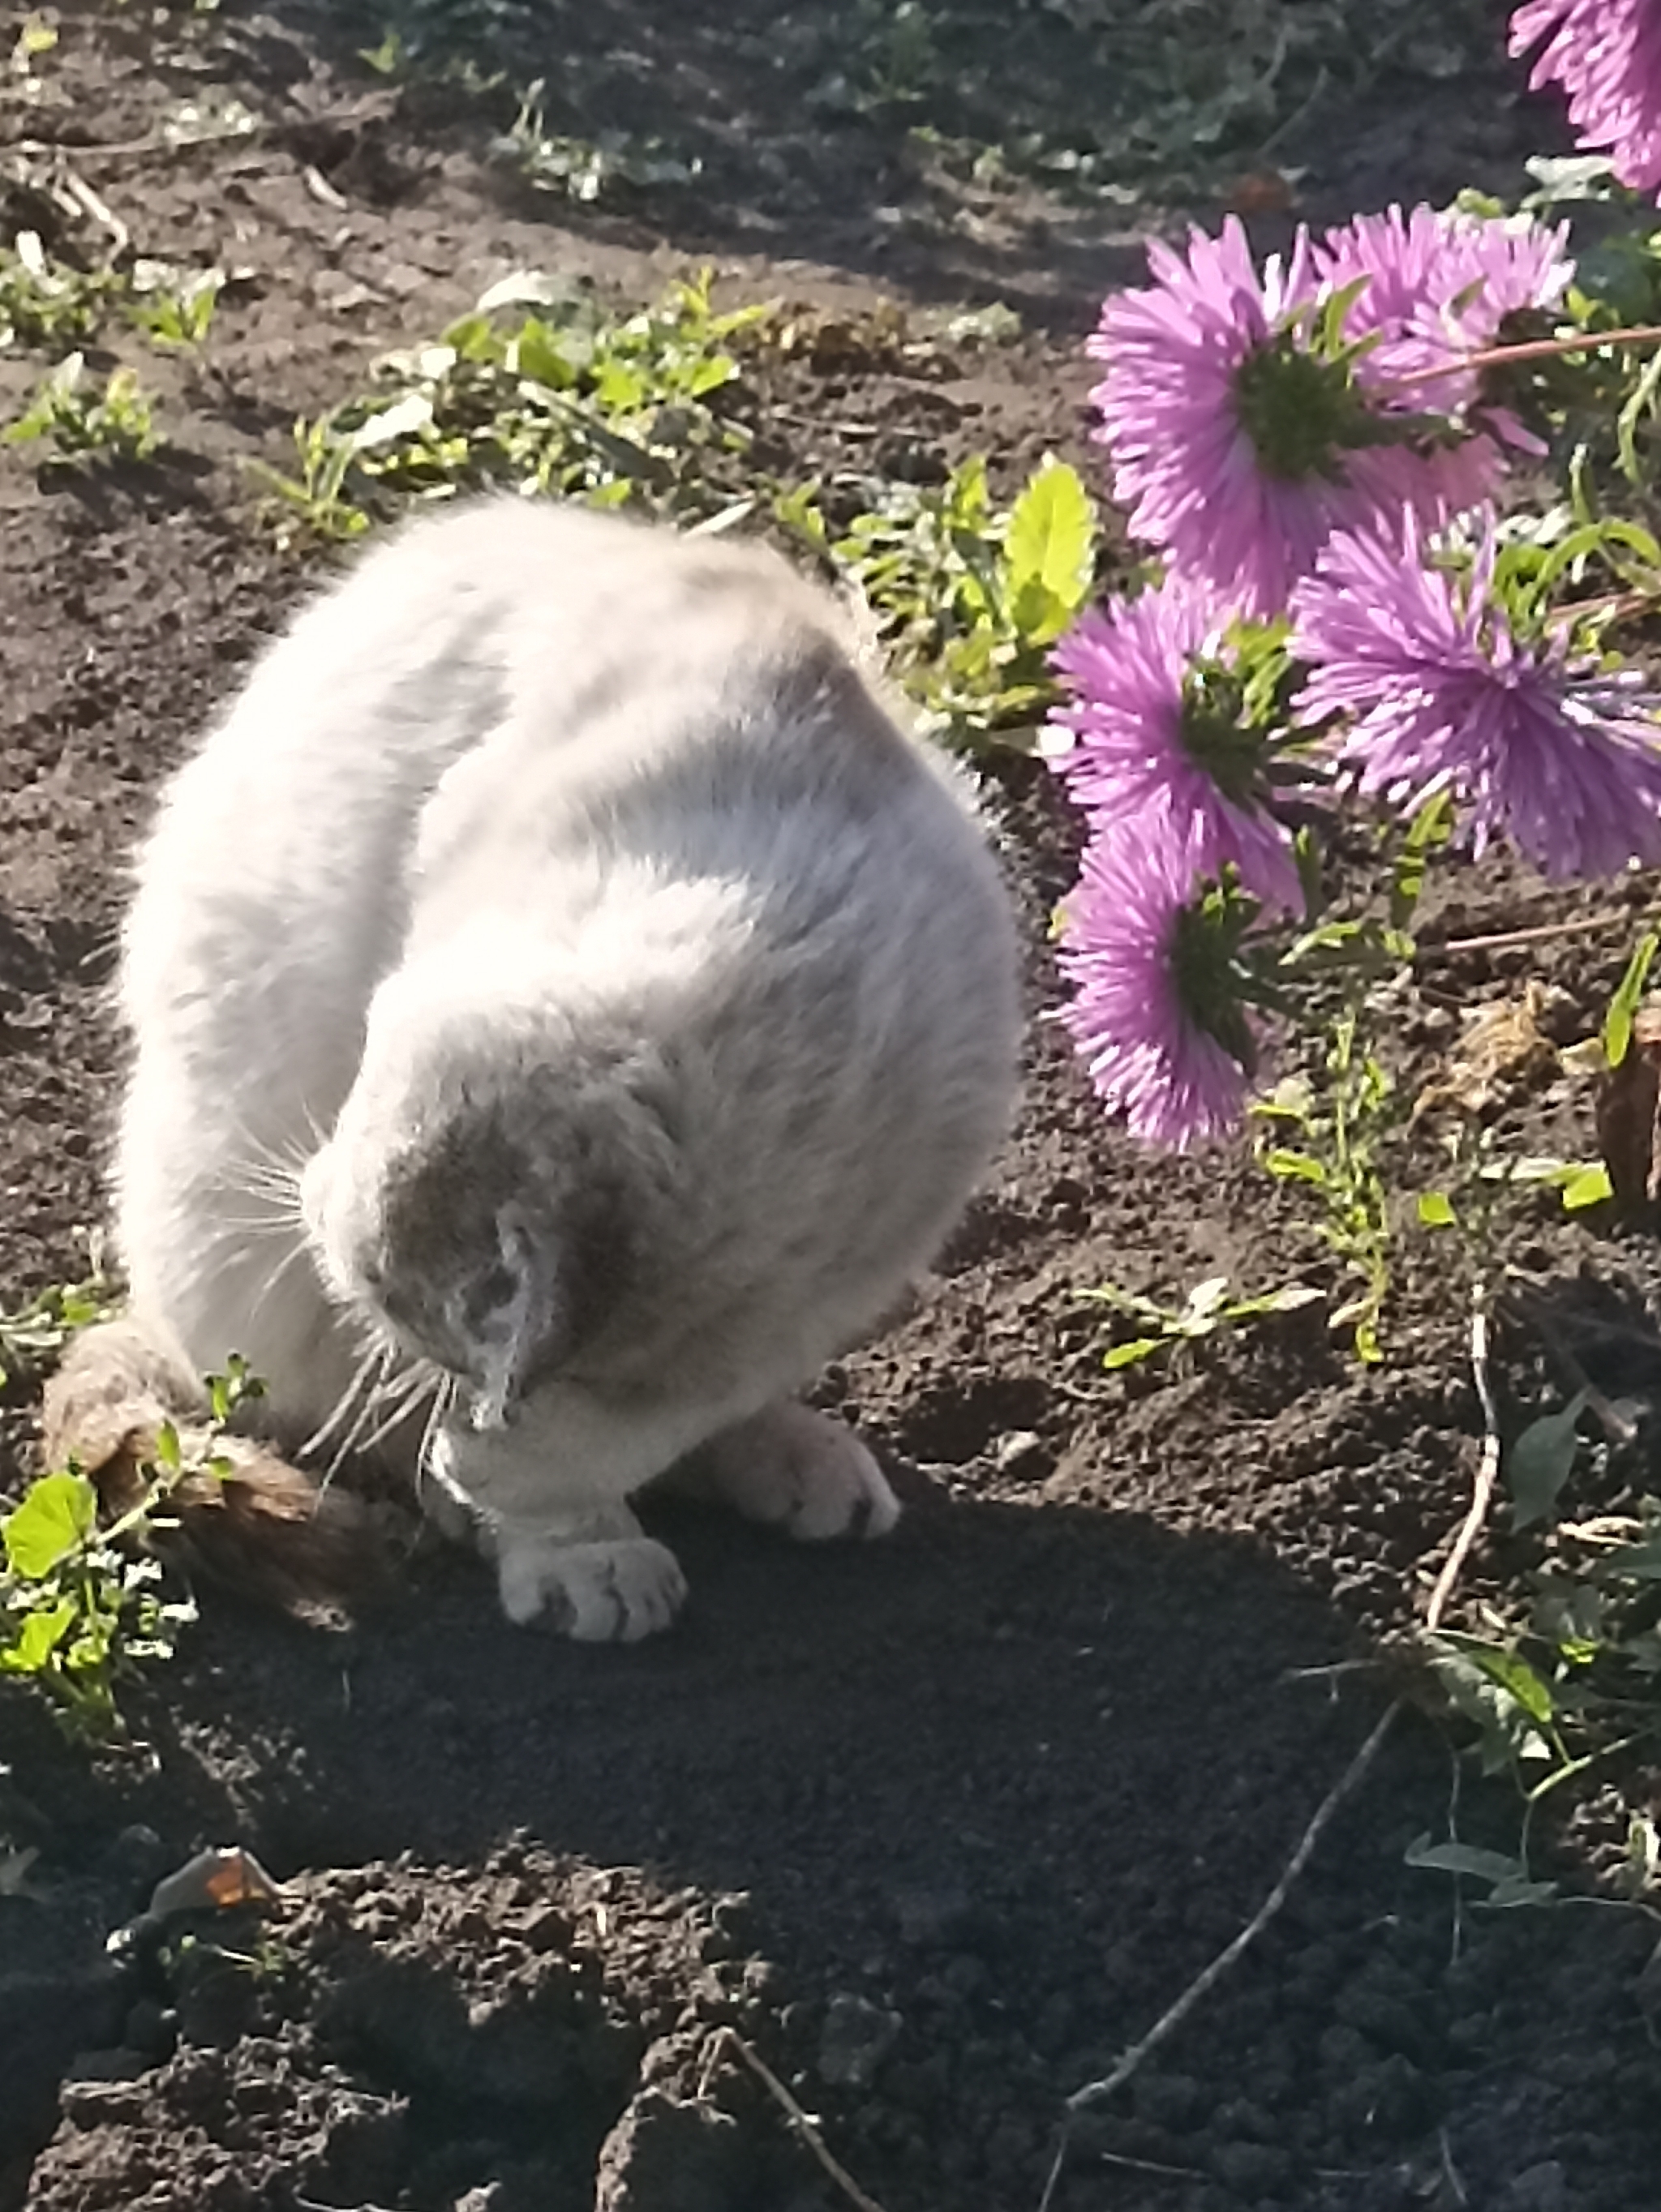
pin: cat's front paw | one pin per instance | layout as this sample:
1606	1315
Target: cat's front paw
612	1592
804	1472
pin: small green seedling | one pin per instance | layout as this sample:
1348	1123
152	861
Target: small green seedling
968	599
80	1606
539	389
580	169
1340	1125
33	1337
1206	1309
45	303
313	502
83	423
175	307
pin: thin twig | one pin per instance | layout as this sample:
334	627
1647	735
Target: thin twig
1097	2093
1506	940
366	109
798	2120
1148	2166
1450	2173
1487	1468
154	142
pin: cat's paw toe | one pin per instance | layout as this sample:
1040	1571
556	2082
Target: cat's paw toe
599	1593
805	1472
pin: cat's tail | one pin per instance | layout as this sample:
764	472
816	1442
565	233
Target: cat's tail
254	1523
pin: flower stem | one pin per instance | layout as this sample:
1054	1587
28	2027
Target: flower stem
1534	350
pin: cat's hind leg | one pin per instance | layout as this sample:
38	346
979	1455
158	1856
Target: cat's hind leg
798	1470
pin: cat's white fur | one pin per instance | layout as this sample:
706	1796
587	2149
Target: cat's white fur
559	966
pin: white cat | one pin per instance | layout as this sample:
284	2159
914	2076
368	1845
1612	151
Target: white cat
557	987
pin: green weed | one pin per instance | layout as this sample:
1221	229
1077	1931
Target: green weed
82	423
967	598
580	168
33	1338
1339	1125
538	390
45	301
1206	1309
81	1608
174	307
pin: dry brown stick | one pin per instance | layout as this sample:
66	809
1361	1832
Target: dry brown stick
1487	1468
1507	940
1096	2093
798	2120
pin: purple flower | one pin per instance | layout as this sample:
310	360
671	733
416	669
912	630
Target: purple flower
1145	739
1445	697
1154	1013
1439	284
1236	444
1606	55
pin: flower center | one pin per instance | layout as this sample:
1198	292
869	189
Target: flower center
1299	411
1205	969
1214	732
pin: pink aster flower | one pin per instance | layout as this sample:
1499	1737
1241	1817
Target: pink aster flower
1140	740
1238	445
1153	1013
1439	283
1445	697
1606	55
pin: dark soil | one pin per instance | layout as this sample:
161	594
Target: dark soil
939	1827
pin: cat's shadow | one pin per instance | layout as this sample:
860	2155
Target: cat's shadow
1010	1724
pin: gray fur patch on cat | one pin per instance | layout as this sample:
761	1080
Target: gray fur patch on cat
566	1009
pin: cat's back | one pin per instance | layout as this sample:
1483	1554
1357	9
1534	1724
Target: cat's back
509	687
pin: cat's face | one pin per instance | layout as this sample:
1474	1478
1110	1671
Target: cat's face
438	1240
473	1202
427	1212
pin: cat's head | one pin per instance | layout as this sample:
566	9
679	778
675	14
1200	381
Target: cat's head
483	1200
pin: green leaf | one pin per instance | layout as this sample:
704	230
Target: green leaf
56	1517
1617	1023
1588	1185
1037	613
1431	827
1636	1562
1207	1298
1127	1355
1513	1676
1461	1859
1436	1210
39	1635
1051	544
1540	1463
1298	1167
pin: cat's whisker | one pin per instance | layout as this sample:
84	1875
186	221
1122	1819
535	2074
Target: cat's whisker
374	1400
411	1389
376	1357
286	1161
298	1251
443	1400
265	1224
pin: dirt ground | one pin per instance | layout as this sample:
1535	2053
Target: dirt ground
938	1826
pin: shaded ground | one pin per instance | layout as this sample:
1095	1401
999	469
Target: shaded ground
940	1828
